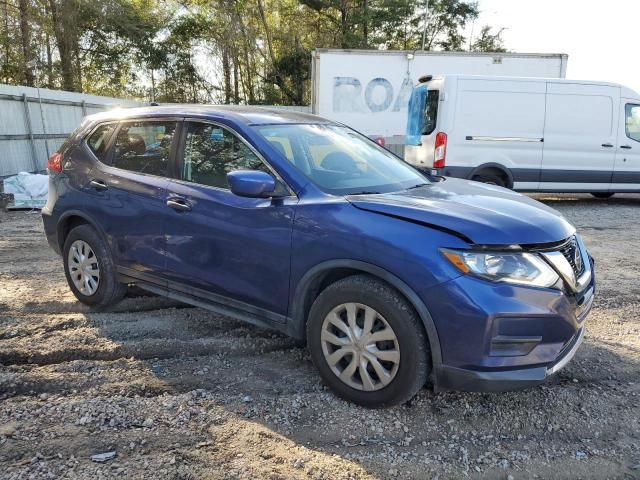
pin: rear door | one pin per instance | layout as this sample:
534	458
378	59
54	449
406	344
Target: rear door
132	184
579	137
626	174
228	249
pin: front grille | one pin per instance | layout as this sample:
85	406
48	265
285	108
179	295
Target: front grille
572	253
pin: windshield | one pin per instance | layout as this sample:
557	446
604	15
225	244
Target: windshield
340	161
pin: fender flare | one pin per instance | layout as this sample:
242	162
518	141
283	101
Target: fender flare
77	213
297	300
498	166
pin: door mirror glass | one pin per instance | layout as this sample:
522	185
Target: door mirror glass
252	184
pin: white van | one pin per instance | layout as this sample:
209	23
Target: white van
531	134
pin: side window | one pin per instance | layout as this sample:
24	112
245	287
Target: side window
210	152
144	147
632	121
98	140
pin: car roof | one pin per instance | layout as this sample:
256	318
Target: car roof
248	115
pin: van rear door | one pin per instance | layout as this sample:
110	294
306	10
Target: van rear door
579	137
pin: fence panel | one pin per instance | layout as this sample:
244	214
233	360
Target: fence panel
34	123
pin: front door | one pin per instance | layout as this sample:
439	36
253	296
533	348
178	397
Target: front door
231	249
580	134
626	174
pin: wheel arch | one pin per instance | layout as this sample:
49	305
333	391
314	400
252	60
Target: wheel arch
71	219
493	167
325	273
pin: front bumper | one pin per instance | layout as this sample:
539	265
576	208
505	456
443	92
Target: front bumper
453	378
497	337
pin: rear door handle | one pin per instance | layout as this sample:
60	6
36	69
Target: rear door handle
626	147
179	205
98	184
607	145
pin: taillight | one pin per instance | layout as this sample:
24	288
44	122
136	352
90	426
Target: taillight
380	141
440	154
54	164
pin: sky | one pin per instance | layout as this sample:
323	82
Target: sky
602	39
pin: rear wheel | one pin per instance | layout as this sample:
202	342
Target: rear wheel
603	194
89	268
490	178
367	342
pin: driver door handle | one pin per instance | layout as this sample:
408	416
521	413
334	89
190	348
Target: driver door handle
98	184
179	205
626	147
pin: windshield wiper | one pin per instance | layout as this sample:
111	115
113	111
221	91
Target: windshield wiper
364	192
418	186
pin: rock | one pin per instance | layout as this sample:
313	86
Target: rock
148	423
247	399
8	429
103	457
580	455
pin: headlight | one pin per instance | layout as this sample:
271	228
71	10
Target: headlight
517	267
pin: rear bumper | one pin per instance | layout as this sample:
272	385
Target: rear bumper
453	378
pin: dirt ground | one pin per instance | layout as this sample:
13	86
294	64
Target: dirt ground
179	392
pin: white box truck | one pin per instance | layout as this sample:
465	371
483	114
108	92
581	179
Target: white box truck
368	90
530	134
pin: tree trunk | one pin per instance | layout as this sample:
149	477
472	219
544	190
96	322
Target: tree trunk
64	42
25	40
344	23
236	89
226	71
365	23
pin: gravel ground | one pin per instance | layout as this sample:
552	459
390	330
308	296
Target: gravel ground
179	392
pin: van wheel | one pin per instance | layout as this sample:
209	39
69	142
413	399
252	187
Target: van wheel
89	269
603	194
367	342
490	179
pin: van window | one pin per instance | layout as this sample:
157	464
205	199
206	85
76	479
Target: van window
431	112
98	140
144	147
632	122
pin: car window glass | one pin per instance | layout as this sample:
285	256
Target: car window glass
210	152
144	147
431	112
99	139
632	122
341	161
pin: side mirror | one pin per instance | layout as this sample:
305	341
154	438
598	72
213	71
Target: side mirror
252	184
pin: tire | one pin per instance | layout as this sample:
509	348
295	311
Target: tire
87	244
490	179
603	194
391	311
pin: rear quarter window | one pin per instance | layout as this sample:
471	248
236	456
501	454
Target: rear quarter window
98	140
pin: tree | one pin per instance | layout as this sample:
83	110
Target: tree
488	42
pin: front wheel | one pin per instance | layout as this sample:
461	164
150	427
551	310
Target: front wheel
603	194
367	342
90	270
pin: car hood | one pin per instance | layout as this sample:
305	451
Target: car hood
481	213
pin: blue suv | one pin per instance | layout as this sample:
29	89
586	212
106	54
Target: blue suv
299	224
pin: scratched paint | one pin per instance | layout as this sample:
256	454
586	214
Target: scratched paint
378	96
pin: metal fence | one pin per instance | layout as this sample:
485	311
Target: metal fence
34	123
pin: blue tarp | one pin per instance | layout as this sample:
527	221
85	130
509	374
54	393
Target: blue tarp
415	119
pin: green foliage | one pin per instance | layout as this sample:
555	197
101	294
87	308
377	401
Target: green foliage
231	51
